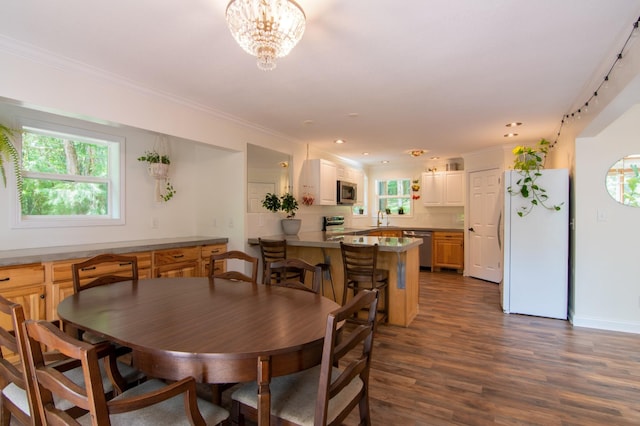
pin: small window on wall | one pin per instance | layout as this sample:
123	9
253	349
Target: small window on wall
394	196
72	177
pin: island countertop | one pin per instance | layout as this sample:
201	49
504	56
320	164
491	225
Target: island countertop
332	240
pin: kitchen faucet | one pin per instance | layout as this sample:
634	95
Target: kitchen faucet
380	217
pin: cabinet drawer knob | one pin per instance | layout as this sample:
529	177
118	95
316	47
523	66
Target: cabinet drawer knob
88	268
42	296
178	256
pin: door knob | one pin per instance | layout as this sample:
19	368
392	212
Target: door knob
472	230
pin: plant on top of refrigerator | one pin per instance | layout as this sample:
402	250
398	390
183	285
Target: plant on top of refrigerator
528	162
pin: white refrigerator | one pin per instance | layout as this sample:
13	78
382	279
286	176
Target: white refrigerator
536	249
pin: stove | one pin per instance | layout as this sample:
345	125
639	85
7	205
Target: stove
333	224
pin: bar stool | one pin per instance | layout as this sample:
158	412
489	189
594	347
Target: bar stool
360	273
275	251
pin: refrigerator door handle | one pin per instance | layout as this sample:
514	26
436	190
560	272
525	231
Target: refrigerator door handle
498	230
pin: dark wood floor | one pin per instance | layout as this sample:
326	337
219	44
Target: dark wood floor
463	362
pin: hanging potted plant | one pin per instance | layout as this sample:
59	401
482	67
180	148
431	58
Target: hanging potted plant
158	165
287	203
9	153
158	168
528	162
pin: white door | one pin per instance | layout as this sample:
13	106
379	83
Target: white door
255	194
485	209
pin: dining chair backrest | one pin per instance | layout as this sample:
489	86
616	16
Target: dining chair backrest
338	342
15	380
103	269
234	275
293	273
359	262
89	395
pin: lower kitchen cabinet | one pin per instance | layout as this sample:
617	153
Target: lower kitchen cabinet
23	284
39	287
177	262
448	251
206	253
397	233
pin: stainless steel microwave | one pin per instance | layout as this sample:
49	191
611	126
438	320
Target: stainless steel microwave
347	192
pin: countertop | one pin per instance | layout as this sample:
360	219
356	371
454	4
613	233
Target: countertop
48	254
332	240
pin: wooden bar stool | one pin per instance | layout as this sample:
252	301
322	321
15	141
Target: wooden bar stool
275	251
360	273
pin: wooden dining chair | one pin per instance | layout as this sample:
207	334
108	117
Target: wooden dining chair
151	403
116	268
273	251
325	394
293	273
234	275
18	390
100	270
361	272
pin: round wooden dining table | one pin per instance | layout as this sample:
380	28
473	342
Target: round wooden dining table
215	331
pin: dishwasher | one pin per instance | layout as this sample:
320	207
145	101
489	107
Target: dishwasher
425	247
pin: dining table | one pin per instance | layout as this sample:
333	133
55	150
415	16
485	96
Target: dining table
217	331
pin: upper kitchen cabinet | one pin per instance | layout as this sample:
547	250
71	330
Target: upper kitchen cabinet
443	188
319	179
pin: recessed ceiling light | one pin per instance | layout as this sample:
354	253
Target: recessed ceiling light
353	114
513	124
510	135
435	158
365	153
338	141
385	161
416	152
307	122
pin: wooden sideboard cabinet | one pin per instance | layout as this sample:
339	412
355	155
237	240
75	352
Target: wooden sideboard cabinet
205	257
177	262
62	281
39	287
23	284
448	251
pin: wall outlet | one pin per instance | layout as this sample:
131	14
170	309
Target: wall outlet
155	223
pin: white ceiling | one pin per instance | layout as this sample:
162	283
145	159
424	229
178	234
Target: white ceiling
439	75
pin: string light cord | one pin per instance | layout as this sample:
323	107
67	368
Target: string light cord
605	81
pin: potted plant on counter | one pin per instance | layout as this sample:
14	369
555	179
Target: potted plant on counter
287	203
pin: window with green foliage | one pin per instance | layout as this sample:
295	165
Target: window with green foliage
71	176
394	196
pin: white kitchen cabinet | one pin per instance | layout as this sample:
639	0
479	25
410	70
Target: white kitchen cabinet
443	188
358	179
319	180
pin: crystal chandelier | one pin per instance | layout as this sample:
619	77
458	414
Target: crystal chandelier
268	29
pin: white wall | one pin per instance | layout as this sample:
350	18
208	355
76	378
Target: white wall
214	189
607	234
194	167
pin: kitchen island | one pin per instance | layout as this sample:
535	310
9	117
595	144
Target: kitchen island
398	255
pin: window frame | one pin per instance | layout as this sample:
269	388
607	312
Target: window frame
115	179
408	196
